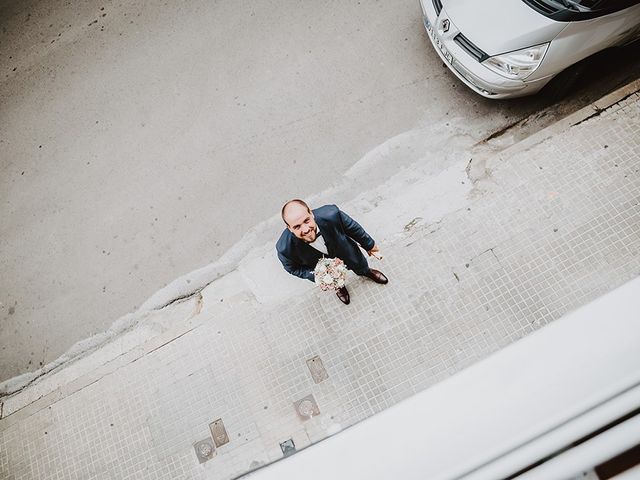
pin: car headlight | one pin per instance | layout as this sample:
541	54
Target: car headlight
519	64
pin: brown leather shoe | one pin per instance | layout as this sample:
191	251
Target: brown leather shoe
343	295
377	276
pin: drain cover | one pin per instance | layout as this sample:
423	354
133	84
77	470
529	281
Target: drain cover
205	450
288	447
317	369
219	433
307	407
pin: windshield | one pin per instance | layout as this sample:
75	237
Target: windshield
573	10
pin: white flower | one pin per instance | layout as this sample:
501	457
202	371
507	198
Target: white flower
330	273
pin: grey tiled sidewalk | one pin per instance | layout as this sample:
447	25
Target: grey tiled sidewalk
545	230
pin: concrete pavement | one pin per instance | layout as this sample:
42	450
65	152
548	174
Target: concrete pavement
140	140
480	254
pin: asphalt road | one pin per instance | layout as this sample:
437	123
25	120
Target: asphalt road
139	141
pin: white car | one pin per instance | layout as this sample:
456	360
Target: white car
512	48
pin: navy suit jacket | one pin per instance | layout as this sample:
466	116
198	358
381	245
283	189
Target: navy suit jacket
340	233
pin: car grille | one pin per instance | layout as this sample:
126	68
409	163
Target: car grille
437	4
470	48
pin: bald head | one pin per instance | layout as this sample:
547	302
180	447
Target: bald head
293	206
299	219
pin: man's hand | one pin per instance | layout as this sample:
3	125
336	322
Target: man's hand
375	252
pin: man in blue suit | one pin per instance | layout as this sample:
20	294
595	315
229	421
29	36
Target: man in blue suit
325	231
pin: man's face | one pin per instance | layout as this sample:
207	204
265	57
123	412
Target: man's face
300	222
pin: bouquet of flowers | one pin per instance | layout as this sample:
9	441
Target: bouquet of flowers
330	273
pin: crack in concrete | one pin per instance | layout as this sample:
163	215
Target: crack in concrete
457	277
495	256
483	252
438	223
599	111
26	385
505	129
467	170
411	232
412	224
179	299
165	343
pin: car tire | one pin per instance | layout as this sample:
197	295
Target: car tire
562	83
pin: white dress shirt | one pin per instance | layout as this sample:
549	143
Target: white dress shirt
319	244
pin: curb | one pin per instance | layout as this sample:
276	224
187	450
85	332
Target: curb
477	168
592	110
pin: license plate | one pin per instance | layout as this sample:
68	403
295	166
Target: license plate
436	40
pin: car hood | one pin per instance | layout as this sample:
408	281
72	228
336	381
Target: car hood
499	26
